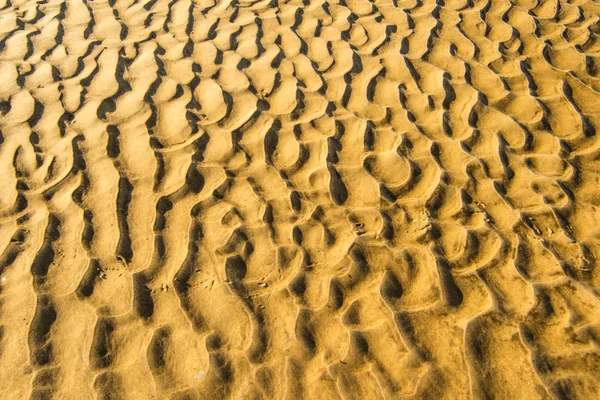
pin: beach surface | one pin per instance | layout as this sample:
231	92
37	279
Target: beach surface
347	199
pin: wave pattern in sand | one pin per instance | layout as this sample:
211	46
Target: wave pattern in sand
263	199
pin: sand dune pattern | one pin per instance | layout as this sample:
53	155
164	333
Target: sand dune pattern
299	199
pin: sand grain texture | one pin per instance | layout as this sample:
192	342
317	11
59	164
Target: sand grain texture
312	199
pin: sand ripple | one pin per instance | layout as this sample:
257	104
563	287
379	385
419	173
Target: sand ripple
299	199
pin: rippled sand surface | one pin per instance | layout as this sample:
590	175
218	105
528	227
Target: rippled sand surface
299	199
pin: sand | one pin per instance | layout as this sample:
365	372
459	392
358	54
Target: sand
311	199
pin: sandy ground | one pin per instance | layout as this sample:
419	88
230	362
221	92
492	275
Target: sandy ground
299	199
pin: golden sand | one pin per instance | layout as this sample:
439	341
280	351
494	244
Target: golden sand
352	199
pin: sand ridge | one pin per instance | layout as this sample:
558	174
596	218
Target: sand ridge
299	199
